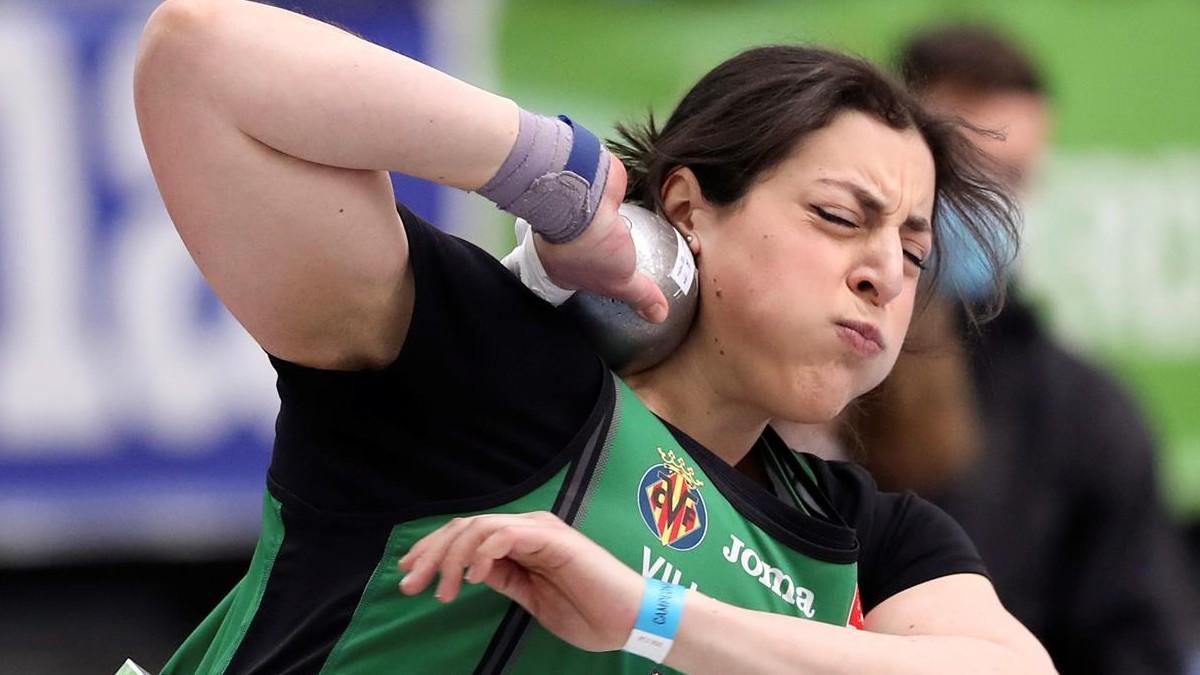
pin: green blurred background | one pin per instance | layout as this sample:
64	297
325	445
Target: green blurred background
1113	236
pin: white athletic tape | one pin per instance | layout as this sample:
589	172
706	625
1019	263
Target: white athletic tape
523	261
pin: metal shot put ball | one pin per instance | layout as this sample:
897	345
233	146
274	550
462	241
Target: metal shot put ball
627	342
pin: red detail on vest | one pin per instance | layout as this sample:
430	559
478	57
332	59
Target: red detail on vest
856	615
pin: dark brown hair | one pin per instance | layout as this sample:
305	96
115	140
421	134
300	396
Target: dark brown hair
748	114
969	57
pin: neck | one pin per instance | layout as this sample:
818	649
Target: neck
820	439
683	392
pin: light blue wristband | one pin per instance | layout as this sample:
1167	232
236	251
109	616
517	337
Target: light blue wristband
658	621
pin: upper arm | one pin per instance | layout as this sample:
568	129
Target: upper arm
963	605
311	259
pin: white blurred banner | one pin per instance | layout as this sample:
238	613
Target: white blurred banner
135	414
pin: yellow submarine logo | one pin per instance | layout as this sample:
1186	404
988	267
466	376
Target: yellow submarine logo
671	505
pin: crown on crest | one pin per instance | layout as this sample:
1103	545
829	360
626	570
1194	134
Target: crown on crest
677	465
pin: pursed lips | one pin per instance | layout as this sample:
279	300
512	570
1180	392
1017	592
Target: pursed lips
863	337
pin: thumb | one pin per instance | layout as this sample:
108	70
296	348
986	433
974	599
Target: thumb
644	295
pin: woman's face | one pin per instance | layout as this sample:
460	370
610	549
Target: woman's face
808	281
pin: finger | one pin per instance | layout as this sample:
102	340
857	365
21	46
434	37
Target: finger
644	295
491	551
422	560
405	563
484	558
499	542
418	549
521	538
422	545
512	581
462	549
531	544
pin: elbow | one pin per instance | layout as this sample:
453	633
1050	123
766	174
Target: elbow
185	13
176	20
175	34
170	50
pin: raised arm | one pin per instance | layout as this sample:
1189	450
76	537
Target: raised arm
270	135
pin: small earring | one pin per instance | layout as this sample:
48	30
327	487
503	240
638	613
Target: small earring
689	238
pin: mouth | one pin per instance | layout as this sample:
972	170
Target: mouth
863	338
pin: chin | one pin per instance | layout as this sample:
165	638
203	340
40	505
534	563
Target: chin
815	406
818	396
874	379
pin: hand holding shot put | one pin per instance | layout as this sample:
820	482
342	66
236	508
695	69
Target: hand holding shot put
602	259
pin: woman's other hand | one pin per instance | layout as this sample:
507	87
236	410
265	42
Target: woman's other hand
572	586
602	259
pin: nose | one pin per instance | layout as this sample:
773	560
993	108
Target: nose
878	276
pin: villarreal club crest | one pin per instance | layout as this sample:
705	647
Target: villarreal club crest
671	505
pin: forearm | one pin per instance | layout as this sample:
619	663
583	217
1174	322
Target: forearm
715	637
318	93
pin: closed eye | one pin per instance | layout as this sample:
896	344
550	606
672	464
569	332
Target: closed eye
838	220
916	260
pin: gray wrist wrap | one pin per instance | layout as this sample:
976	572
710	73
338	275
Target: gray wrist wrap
553	177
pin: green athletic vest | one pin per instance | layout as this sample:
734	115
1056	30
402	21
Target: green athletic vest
634	490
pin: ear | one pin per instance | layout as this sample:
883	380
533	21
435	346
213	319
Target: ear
685	206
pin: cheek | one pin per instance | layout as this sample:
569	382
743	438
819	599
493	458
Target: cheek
732	302
773	280
764	308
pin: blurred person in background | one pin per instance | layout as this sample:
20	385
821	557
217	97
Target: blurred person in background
1041	456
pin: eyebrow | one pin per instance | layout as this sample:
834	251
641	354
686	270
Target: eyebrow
869	201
